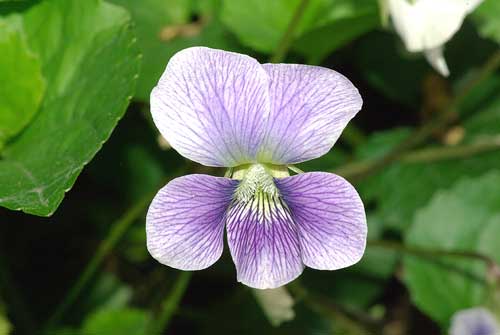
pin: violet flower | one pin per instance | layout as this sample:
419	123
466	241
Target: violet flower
474	321
224	109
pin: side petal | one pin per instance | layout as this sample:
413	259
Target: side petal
310	106
330	218
211	105
185	221
263	241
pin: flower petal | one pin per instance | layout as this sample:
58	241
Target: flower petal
263	241
435	57
427	24
211	106
330	218
185	221
310	106
474	321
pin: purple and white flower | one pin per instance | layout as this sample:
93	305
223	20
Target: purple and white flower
474	321
224	109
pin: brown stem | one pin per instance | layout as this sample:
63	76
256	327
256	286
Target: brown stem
286	41
492	265
427	155
423	133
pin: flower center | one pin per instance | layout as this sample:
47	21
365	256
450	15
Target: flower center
257	197
257	181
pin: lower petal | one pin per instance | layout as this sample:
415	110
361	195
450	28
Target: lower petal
330	219
263	241
185	221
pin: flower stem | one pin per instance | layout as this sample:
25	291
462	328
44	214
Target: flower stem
422	134
445	153
170	304
286	41
118	229
492	265
427	155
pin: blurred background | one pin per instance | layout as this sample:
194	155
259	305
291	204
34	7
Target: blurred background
80	161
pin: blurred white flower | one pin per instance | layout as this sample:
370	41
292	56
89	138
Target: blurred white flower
474	321
277	304
426	25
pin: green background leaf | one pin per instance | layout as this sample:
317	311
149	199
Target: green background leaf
487	19
458	220
123	321
152	17
324	25
90	61
404	187
71	65
22	82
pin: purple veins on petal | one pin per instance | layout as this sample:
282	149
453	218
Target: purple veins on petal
275	227
311	219
212	105
185	221
330	219
221	108
263	241
310	107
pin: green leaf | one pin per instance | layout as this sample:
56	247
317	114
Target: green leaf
324	24
459	219
124	321
151	16
22	82
260	24
90	62
108	292
487	19
348	20
482	109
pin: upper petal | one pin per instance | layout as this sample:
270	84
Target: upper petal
185	221
211	106
310	106
330	218
427	24
263	241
